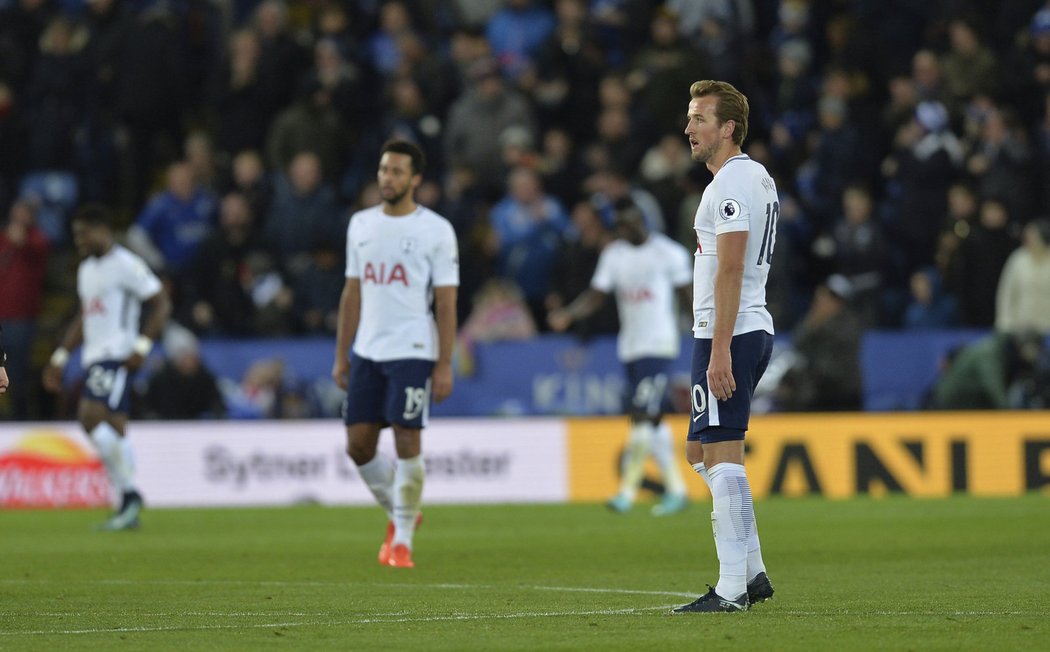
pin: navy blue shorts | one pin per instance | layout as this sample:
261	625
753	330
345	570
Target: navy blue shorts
391	392
646	391
713	420
108	382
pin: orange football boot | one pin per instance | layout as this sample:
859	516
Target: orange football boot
384	550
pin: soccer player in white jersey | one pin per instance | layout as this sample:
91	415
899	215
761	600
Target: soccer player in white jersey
400	257
733	334
645	269
113	285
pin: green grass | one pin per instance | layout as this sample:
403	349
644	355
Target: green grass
893	574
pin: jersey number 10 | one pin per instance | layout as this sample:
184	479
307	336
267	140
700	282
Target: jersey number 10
769	236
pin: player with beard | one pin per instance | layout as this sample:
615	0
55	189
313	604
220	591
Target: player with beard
735	228
400	259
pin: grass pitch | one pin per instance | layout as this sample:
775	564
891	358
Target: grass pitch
891	574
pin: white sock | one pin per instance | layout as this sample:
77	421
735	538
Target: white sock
638	443
663	451
755	565
408	494
702	470
378	474
111	449
128	460
731	521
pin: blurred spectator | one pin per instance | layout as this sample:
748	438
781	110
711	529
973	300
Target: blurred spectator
974	279
248	176
318	288
989	374
259	393
200	155
282	60
1023	296
569	65
312	124
151	96
304	210
394	21
925	161
837	160
969	66
516	32
239	99
24	252
477	119
183	388
719	28
661	69
826	346
662	172
528	225
860	252
54	97
169	230
1000	161
1026	73
221	282
411	118
577	259
930	307
560	166
499	314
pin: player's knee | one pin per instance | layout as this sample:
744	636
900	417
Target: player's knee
359	452
694	452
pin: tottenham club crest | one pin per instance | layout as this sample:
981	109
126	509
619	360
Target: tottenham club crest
728	209
408	245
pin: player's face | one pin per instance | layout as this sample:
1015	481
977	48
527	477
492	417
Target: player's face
395	177
88	239
703	129
630	225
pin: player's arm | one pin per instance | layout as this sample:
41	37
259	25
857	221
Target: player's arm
729	278
346	329
158	311
72	338
585	305
445	316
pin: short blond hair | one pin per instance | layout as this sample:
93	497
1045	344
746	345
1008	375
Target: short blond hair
732	104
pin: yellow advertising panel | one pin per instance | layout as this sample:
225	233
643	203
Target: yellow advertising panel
840	455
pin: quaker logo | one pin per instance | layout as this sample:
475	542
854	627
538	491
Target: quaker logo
408	245
729	209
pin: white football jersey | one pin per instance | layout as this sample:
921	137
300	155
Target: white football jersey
644	278
112	288
399	260
741	197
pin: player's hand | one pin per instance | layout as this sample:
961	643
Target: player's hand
4	382
720	374
341	372
53	378
134	362
442	381
559	320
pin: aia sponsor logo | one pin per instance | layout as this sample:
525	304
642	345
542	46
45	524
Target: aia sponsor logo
635	295
48	469
381	274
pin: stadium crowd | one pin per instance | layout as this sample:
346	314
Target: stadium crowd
910	142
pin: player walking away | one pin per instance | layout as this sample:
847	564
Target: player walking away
113	285
399	257
733	334
645	270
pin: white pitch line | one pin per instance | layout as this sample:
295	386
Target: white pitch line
379	619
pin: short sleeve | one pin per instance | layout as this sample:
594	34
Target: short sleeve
140	279
732	207
446	257
353	267
603	280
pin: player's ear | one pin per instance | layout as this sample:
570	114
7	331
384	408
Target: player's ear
728	127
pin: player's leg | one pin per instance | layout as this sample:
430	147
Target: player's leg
674	499
407	408
103	413
639	436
